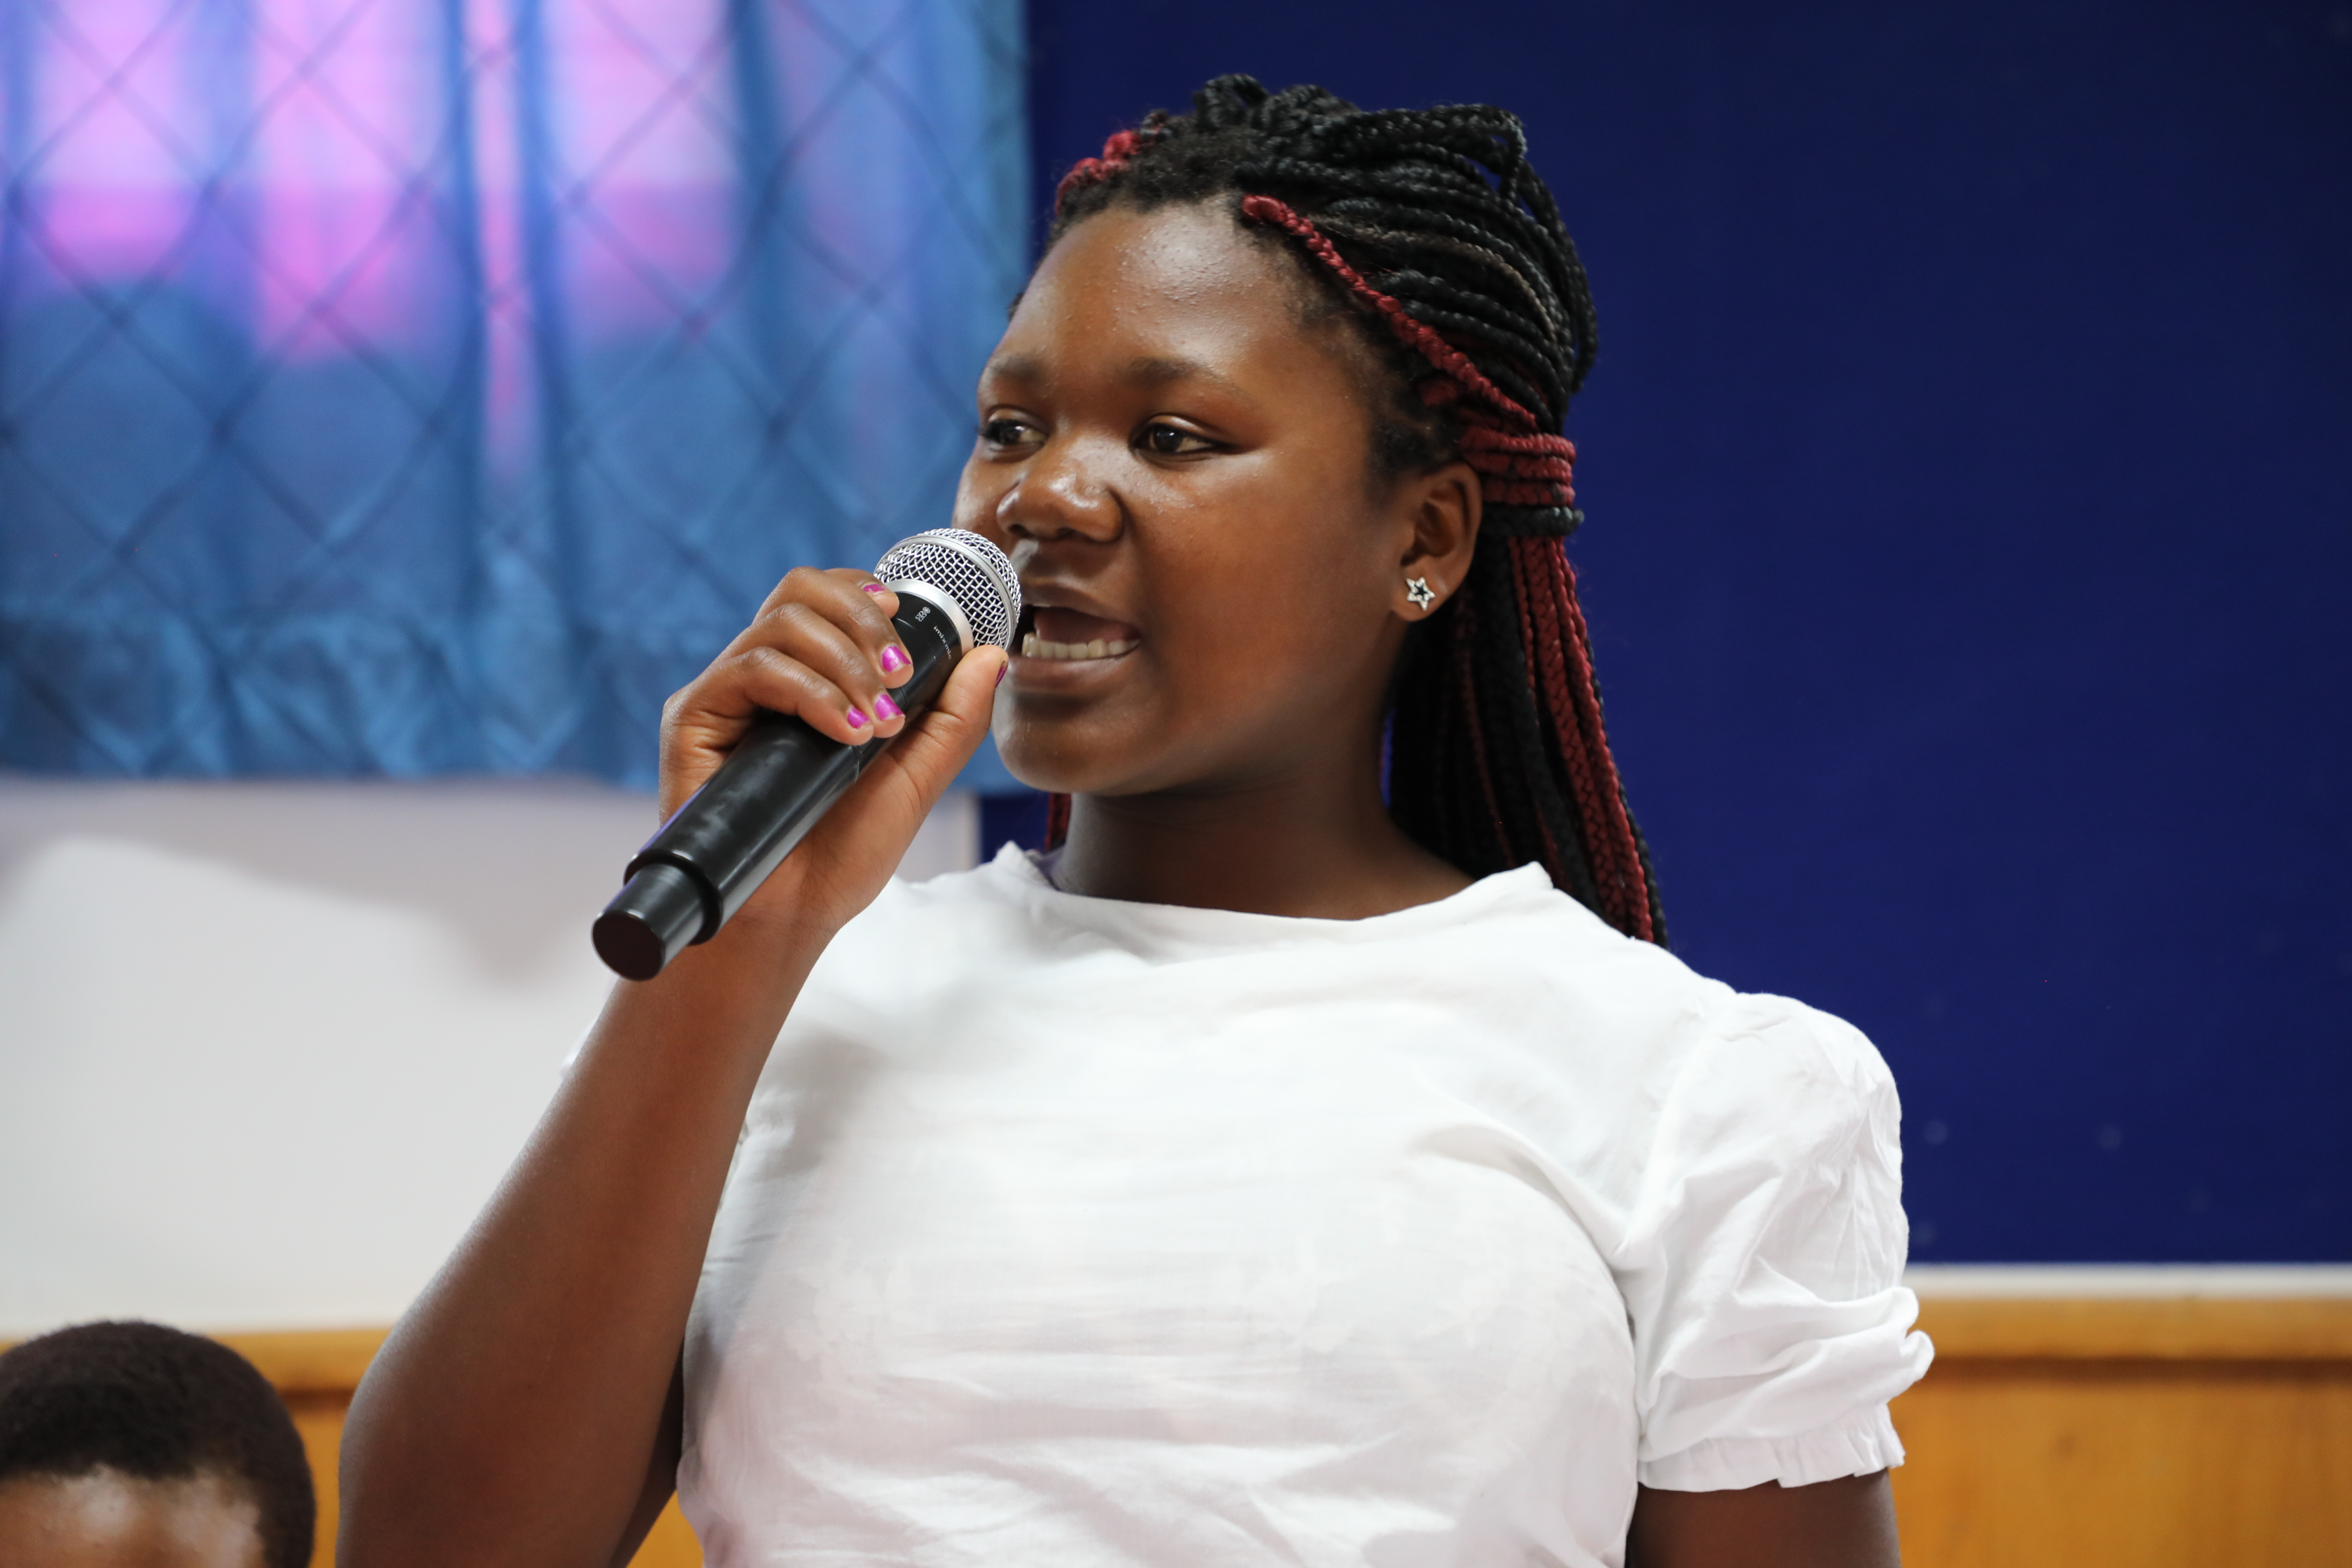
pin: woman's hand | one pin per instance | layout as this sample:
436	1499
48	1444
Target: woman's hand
822	648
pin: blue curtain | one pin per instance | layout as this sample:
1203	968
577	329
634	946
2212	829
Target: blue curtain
424	386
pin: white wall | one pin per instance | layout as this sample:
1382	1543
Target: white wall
266	1047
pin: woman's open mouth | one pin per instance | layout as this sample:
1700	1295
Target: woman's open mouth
1068	635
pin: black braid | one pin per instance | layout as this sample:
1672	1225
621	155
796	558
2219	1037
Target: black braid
1497	755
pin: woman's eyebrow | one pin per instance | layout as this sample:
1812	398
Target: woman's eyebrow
1153	370
1017	367
1144	369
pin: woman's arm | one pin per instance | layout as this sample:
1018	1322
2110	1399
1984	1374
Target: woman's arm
1848	1523
661	1474
516	1416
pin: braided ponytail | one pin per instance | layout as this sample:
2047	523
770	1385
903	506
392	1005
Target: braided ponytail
1431	225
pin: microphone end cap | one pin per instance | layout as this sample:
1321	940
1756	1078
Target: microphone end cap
658	914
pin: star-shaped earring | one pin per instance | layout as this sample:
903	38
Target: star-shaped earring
1418	590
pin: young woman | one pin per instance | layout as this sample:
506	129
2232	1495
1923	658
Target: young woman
1272	1173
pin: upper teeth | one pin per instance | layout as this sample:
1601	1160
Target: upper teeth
1035	646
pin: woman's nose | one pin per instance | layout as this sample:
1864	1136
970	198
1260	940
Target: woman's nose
1061	493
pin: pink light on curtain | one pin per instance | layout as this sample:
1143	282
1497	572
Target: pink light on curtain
349	120
117	146
507	309
329	128
643	126
638	169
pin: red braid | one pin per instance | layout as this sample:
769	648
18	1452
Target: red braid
1116	153
1616	853
1517	464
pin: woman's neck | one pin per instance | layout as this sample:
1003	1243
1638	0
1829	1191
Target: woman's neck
1311	842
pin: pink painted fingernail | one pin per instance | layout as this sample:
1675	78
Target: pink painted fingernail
1002	670
874	588
886	708
893	660
856	720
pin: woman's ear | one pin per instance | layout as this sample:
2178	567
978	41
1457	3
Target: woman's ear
1446	507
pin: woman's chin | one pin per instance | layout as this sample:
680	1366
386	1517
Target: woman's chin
1070	752
1060	718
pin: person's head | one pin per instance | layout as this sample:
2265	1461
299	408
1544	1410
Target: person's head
1277	424
131	1443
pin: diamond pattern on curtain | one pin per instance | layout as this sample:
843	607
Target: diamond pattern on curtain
419	386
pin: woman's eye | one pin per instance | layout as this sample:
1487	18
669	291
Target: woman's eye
1006	432
1171	441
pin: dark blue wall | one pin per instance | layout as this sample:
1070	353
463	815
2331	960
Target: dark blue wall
1970	469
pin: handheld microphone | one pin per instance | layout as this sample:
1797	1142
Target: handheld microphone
956	591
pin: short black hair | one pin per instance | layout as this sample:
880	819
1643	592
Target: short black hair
159	1404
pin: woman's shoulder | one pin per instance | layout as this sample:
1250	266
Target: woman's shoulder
1541	941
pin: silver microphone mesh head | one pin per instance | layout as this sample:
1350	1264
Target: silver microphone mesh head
969	570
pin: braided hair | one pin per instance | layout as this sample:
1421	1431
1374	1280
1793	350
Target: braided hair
1429	229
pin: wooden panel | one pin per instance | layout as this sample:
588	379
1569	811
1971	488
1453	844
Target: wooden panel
312	1360
2164	1329
671	1543
2152	1434
2153	1465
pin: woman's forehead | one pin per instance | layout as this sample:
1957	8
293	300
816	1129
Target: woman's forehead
1177	286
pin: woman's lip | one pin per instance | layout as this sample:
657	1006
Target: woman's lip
1051	596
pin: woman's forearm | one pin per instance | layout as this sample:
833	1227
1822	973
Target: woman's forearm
510	1416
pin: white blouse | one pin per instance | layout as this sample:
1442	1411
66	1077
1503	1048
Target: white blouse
1072	1232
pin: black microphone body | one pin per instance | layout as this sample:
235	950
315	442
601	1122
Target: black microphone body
706	860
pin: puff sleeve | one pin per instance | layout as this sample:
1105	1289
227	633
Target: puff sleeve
1763	1262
